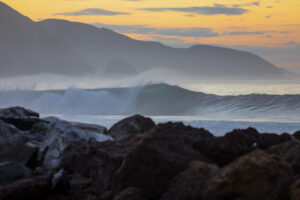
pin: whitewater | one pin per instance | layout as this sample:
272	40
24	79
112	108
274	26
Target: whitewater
217	113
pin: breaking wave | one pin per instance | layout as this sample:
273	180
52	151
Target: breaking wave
157	99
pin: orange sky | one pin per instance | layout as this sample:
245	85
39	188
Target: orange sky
259	23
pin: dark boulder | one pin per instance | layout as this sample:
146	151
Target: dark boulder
295	190
267	140
12	171
16	112
96	162
10	134
136	124
283	189
35	188
21	153
225	149
191	183
24	124
161	154
297	135
281	149
59	136
131	193
293	157
252	177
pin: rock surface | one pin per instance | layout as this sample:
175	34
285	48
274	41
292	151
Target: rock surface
53	159
60	135
21	153
130	193
36	188
161	154
293	157
18	112
136	124
101	160
225	149
12	171
191	183
252	177
10	134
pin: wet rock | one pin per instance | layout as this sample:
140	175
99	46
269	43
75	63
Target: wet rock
267	140
281	149
16	112
293	157
136	124
191	183
297	135
9	134
252	177
225	149
131	193
35	188
295	190
283	189
21	153
107	196
24	124
101	160
90	127
160	155
60	135
39	130
11	171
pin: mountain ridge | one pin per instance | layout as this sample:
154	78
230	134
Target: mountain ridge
74	48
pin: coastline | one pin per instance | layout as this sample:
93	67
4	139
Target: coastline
49	158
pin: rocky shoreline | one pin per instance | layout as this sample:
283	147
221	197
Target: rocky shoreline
137	159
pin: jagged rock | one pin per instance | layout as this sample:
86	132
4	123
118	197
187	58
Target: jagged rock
161	154
293	157
90	127
40	128
191	183
136	124
295	190
252	177
9	134
11	171
130	193
21	153
283	189
60	135
24	124
225	149
297	135
16	112
101	160
281	149
267	140
35	188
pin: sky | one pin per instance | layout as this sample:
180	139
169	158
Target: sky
269	28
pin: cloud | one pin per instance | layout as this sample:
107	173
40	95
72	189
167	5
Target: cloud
92	11
216	9
255	3
148	30
248	32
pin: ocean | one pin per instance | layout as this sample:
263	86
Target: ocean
211	107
